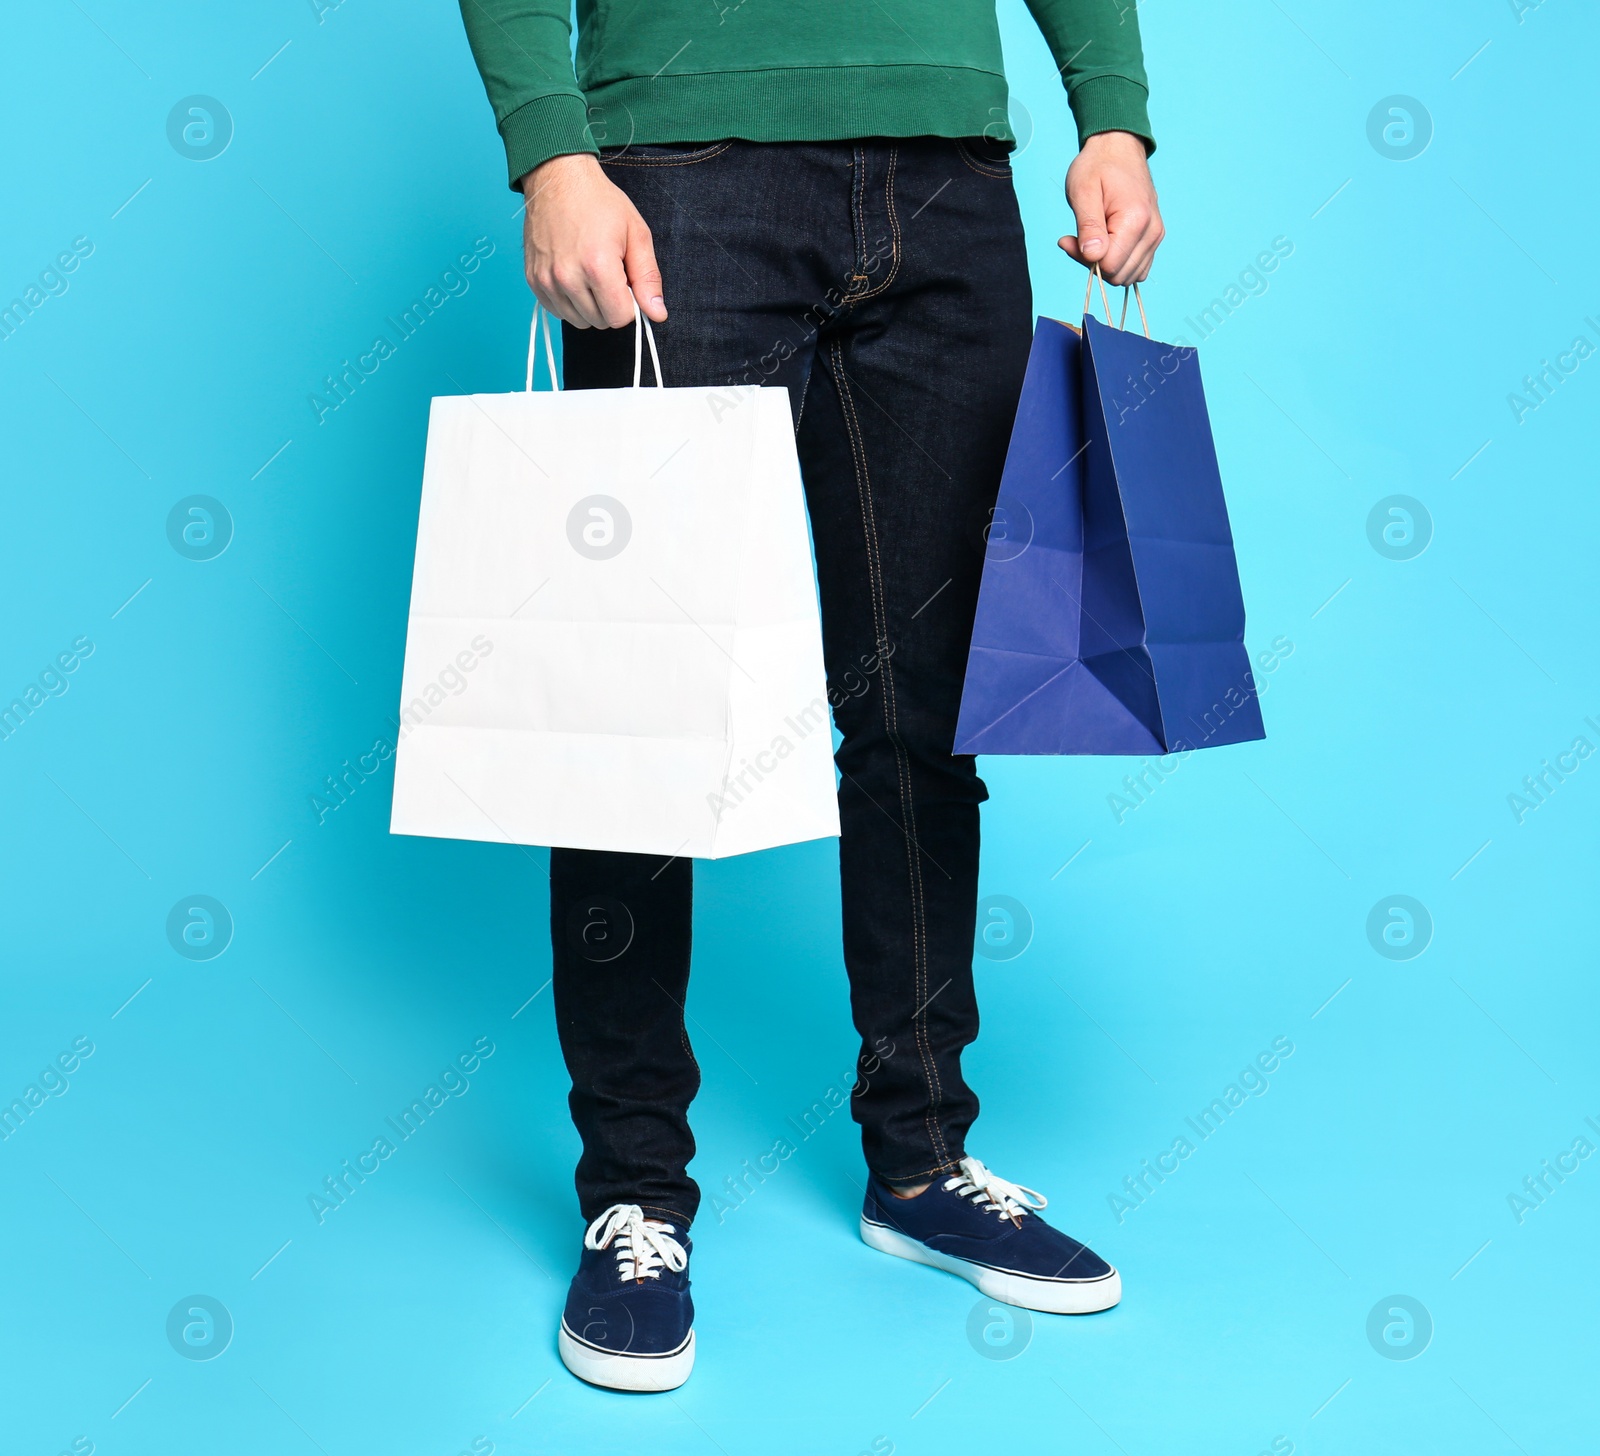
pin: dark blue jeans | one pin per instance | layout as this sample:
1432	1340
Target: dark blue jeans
884	283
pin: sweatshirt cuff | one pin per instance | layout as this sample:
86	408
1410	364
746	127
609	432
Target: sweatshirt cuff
1111	103
549	126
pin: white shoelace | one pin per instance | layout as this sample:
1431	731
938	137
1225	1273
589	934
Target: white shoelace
996	1195
643	1245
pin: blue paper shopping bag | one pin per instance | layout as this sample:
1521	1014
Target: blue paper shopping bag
1110	619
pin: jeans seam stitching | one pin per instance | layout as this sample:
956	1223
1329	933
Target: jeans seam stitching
689	159
997	174
891	718
894	232
858	208
951	1166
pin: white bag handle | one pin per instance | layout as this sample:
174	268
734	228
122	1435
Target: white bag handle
549	352
641	331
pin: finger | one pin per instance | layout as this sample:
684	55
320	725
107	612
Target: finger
573	283
589	310
544	294
1089	207
541	275
1125	231
557	301
1145	256
644	277
1069	246
1073	248
608	289
569	311
1135	270
1133	260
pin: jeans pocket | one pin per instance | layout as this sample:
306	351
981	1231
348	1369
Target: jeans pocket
991	158
656	154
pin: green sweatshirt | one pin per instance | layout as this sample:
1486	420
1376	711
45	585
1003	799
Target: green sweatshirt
784	70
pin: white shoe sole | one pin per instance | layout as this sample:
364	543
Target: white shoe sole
625	1372
1049	1296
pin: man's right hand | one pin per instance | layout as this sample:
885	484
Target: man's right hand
585	247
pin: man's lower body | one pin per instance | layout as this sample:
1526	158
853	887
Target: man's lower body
884	283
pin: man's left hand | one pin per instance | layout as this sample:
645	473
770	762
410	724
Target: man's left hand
1119	223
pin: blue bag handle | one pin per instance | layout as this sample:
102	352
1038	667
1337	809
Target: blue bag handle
1088	298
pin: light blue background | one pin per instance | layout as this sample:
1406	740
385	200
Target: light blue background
1223	912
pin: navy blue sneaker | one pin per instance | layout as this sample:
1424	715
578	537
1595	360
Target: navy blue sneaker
629	1321
989	1232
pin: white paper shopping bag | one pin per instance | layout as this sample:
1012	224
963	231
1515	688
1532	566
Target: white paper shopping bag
613	640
